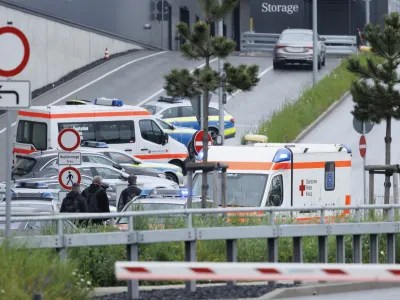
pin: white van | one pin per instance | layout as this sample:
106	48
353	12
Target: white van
284	175
128	128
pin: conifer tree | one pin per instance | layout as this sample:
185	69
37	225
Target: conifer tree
374	94
200	45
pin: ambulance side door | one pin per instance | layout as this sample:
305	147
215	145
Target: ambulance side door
275	195
151	139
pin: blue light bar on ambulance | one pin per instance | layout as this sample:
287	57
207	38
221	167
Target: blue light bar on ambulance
108	102
94	144
282	155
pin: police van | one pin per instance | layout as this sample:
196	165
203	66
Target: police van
128	128
284	175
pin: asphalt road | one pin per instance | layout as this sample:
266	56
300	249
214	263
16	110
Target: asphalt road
381	294
276	87
338	128
138	78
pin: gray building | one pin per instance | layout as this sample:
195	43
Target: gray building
128	18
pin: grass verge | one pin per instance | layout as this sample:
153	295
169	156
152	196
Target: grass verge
25	272
287	123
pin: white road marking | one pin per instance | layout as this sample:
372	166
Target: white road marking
162	90
105	75
259	76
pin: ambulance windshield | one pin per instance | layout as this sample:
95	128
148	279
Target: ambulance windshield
242	189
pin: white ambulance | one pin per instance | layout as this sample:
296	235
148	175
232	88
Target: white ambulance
128	128
284	175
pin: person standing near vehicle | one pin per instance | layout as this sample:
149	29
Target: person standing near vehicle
96	199
74	202
129	193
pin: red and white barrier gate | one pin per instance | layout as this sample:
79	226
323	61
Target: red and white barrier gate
255	271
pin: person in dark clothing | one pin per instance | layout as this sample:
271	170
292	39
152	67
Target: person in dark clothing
129	193
96	199
74	202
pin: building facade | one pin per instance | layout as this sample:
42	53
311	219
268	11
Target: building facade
130	18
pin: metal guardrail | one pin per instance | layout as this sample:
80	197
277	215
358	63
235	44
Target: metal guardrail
265	42
190	235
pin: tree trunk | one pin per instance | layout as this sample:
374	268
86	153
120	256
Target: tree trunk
204	186
388	141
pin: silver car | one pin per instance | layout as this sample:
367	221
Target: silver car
295	46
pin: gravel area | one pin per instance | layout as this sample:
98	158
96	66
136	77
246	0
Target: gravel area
40	91
209	293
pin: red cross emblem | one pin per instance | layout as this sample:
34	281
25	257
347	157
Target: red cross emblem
302	187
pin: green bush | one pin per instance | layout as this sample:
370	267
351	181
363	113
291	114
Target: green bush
24	272
287	123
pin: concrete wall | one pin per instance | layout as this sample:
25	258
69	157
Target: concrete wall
123	17
57	49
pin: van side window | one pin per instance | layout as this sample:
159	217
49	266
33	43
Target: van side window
151	132
275	195
170	113
85	129
34	133
187	111
329	176
112	132
117	132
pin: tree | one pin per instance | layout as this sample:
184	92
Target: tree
200	45
375	96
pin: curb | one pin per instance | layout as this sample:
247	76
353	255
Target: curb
325	114
327	289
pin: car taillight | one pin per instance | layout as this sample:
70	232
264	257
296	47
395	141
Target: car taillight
310	47
232	120
280	47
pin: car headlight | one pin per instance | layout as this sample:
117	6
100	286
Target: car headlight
161	175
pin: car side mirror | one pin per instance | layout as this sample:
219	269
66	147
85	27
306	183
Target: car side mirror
172	127
166	138
323	39
117	166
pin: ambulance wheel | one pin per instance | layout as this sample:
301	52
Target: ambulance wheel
214	133
172	177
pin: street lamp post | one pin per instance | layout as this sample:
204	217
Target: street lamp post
315	42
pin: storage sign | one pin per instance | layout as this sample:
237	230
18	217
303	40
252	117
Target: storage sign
279	8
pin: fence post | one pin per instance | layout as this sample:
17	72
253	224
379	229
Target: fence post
323	243
340	250
391	241
231	255
272	245
190	187
62	251
223	187
297	252
357	239
132	255
190	255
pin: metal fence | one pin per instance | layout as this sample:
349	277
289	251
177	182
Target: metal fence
265	42
190	235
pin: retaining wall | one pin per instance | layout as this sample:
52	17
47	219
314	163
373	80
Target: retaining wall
58	49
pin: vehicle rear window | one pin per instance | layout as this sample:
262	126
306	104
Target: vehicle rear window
296	37
152	109
24	165
33	133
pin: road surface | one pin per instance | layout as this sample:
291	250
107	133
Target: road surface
338	128
138	78
381	294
